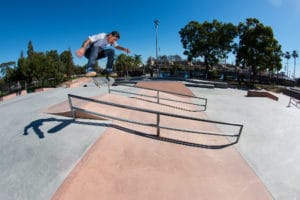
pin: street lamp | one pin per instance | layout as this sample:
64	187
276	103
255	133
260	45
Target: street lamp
156	22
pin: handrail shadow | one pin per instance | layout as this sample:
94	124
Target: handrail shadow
172	140
63	123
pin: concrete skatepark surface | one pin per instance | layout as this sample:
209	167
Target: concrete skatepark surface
270	136
47	156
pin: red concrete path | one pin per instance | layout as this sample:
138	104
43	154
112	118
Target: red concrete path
123	165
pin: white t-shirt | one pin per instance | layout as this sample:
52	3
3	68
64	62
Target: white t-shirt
100	40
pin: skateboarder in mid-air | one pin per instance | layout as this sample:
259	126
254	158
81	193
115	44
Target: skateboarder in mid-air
96	47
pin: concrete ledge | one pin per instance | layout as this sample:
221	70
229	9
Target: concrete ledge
12	95
187	82
77	82
199	85
209	83
253	93
42	89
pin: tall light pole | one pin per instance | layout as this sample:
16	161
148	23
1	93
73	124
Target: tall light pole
156	22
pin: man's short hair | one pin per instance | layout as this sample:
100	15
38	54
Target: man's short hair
115	34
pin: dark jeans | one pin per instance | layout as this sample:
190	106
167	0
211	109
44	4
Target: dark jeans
94	53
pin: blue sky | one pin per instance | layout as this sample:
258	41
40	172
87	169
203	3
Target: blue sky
59	25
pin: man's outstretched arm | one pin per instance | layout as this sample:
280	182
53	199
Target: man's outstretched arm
123	49
80	52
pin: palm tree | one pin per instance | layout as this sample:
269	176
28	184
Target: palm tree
4	67
295	55
137	60
124	63
287	56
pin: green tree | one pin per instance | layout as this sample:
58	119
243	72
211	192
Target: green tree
28	65
273	59
8	69
137	61
211	41
5	67
67	60
124	63
30	49
53	67
257	48
37	65
21	68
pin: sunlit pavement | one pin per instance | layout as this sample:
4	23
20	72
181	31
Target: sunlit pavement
39	151
270	139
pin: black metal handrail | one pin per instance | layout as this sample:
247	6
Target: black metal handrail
294	95
158	116
294	101
158	98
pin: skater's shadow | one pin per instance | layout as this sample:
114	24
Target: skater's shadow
62	123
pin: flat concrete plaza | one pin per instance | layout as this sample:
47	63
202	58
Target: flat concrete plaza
270	136
45	156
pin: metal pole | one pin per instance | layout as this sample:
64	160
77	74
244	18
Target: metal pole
290	102
157	124
108	87
71	107
156	22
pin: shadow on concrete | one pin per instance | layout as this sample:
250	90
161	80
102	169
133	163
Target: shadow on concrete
171	140
37	124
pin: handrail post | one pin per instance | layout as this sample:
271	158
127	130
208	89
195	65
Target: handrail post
108	86
157	124
290	102
239	135
157	96
71	107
